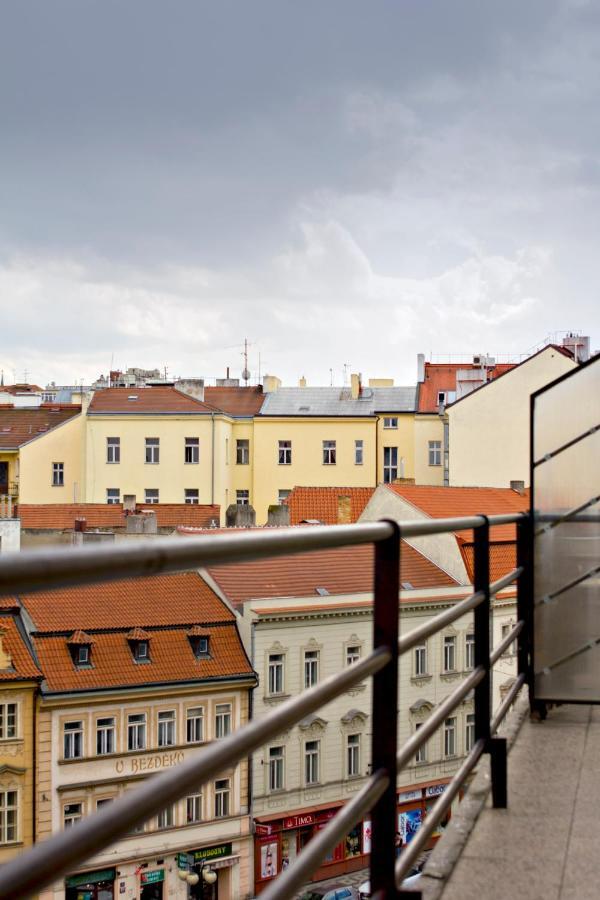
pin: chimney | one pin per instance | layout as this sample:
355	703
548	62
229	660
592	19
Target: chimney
518	486
271	383
278	515
80	524
192	387
356	385
302	382
128	504
238	515
344	514
420	367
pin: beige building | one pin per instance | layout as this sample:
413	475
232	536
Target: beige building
138	676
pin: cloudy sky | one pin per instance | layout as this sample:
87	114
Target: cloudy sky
341	182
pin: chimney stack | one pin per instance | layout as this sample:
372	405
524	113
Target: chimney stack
356	385
518	486
420	367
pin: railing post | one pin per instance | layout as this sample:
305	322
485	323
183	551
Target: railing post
525	599
496	747
385	715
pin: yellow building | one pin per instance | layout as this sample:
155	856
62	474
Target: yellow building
19	681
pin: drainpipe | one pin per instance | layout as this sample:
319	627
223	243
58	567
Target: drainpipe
212	461
34	775
446	451
377	420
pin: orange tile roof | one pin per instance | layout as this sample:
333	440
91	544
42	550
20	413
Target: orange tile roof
107	515
21	388
442	377
237	401
322	503
23	664
339	571
19	425
503	558
172	659
161	600
138	634
160	399
353	604
447	502
80	637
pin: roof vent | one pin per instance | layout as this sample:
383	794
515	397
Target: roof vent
303	408
133	397
7	428
407	586
322	591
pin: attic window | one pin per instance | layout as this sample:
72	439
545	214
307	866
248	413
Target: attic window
83	655
80	648
141	650
199	642
407	586
322	591
139	642
441	398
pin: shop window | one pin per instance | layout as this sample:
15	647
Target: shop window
58	474
450	736
195	725
222	797
449	661
9	805
469	732
390	464
470	651
8	720
268	860
275	679
193	808
242	452
191	453
113	450
435	453
285	453
329	453
420	656
353	755
165	818
105	735
311	762
276	771
311	667
222	720
354	841
358	453
152	450
136	731
166	728
72	813
73	740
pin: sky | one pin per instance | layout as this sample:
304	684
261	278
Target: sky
345	184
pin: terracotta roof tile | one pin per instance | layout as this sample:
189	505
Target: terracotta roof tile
107	515
19	425
149	400
21	388
323	503
23	664
170	515
237	401
503	558
138	634
161	600
80	637
442	377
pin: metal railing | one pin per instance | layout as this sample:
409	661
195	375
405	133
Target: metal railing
46	569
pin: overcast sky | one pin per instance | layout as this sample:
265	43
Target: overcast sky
341	182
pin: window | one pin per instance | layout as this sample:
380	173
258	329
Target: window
421	754
421	660
82	655
311	762
113	450
166	728
8	720
358	453
193	809
195	725
191	496
449	653
200	645
470	651
58	474
73	740
469	732
441	398
105	735
353	755
390	464
222	720
390	422
450	737
435	453
136	731
276	769
191	453
510	651
151	495
285	453
242	452
311	667
141	651
242	498
113	496
72	813
222	796
329	453
282	495
103	802
8	816
353	654
165	818
152	450
275	679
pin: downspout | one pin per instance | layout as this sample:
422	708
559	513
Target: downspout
212	461
446	450
34	779
377	420
250	757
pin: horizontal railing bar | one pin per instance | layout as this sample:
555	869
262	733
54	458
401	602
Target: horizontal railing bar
512	635
48	860
423	527
414	637
589	645
293	878
433	722
548	456
572	513
506	703
509	578
411	853
567	587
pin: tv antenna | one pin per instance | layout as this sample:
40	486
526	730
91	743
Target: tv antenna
246	370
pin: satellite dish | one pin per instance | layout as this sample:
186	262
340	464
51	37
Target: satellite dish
245	374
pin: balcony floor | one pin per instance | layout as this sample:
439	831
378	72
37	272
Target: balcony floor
546	845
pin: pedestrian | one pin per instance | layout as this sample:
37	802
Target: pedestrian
399	844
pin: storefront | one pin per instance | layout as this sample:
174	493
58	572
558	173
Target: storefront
152	883
279	840
98	885
213	866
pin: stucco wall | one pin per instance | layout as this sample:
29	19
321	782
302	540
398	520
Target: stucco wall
61	444
428	428
10	535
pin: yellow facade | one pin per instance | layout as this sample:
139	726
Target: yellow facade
63	444
429	427
17	764
11	458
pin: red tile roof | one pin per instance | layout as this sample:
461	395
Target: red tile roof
161	600
138	634
442	377
339	571
237	401
447	502
19	425
21	388
322	503
61	516
160	399
503	558
80	637
23	664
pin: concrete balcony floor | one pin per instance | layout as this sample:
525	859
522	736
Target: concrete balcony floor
546	845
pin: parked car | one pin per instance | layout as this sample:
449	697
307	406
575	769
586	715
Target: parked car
411	881
330	892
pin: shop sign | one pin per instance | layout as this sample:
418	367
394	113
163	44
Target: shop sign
408	796
152	877
434	790
135	764
262	830
366	836
90	878
299	821
211	852
185	860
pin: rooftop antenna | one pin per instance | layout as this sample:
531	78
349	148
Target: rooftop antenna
2	379
259	366
25	374
346	367
331	378
246	371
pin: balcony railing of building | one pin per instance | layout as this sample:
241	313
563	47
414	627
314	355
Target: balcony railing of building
46	569
8	509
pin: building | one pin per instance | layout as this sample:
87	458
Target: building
138	676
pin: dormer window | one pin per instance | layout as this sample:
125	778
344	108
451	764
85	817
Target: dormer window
139	642
80	648
199	642
141	650
83	655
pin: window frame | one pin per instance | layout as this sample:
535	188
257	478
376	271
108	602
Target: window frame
58	474
113	451
135	729
469	731
330	453
450	750
420	660
449	654
359	452
242	501
191	496
196	803
312	759
421	756
9	810
153	500
166	728
276	768
166	818
102	733
191	444
353	754
152	451
223	720
242	452
311	660
6	733
275	668
73	739
390	423
222	798
470	650
390	464
434	453
73	818
113	496
191	724
284	454
351	657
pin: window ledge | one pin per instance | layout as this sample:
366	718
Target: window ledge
275	698
450	676
421	679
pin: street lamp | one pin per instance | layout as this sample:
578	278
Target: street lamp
205	876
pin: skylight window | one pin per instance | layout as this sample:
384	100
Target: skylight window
133	397
322	591
407	586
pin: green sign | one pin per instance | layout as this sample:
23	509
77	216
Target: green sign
184	860
90	878
153	876
209	853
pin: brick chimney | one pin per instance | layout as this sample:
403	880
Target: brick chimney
356	385
344	513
